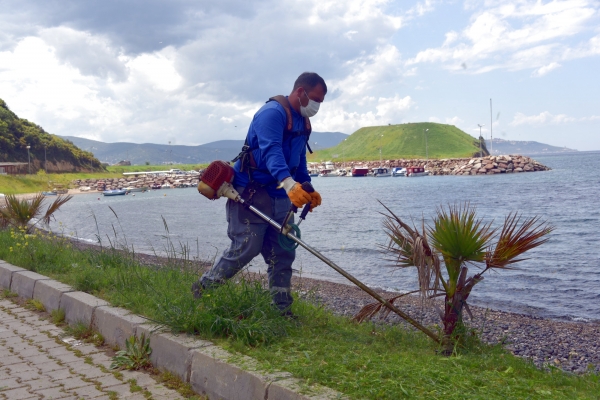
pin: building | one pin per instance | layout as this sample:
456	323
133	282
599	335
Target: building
12	168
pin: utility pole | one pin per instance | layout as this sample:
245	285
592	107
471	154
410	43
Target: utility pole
45	159
28	161
480	148
426	149
491	128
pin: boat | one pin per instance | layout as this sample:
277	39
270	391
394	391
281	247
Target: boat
398	171
155	186
358	171
312	169
381	172
116	192
326	173
415	171
132	189
49	193
166	186
84	188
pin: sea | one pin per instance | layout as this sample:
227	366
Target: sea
559	280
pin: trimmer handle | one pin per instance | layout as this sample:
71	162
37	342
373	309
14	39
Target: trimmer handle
308	188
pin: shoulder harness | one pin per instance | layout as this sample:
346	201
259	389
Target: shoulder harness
246	153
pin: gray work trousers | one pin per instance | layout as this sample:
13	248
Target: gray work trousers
250	236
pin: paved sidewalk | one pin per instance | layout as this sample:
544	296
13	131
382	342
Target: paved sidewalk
35	363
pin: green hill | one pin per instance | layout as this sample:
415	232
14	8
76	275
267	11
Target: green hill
61	155
402	141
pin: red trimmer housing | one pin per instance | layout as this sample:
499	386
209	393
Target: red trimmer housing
216	180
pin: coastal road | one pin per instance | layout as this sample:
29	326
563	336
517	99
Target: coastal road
39	361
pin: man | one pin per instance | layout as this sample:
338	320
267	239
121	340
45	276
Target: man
269	173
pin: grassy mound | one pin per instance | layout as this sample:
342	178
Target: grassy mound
401	141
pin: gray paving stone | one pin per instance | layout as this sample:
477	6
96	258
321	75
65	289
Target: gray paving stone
21	393
116	324
53	393
170	352
6	271
88	392
23	282
42	383
73	382
79	307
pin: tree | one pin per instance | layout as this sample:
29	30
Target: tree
441	252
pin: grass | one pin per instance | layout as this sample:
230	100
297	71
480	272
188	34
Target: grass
401	141
366	361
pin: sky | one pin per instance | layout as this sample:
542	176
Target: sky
193	72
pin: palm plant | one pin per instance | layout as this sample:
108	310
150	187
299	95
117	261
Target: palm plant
441	253
19	213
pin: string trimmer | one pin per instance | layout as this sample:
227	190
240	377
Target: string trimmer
216	182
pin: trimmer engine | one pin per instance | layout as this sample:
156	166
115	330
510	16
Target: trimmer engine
216	181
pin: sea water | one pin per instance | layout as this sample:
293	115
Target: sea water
560	279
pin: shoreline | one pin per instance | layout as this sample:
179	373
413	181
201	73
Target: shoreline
572	346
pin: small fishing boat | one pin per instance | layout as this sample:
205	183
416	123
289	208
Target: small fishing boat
166	186
84	188
359	171
116	192
398	171
49	193
415	171
156	186
381	172
326	173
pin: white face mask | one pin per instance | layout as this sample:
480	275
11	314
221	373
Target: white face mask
311	108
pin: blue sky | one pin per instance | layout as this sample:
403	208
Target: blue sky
193	72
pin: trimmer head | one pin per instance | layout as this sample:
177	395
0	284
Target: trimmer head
216	181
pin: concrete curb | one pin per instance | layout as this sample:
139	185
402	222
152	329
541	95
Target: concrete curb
209	369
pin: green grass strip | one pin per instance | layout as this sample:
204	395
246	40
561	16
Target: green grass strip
365	361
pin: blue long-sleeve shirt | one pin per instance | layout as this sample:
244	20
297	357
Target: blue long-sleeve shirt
275	158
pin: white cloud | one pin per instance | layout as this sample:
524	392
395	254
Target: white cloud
433	119
547	118
518	34
546	68
454	121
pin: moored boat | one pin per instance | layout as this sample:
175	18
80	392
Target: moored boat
49	193
415	171
116	192
398	171
381	172
358	171
326	173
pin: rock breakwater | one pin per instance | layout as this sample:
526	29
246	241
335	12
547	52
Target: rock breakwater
137	182
490	165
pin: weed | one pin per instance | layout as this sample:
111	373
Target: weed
135	356
58	316
35	304
7	294
84	332
172	381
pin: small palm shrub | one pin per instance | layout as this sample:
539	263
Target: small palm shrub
26	214
440	253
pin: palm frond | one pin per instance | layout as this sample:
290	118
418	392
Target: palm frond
409	248
460	236
370	310
60	200
516	238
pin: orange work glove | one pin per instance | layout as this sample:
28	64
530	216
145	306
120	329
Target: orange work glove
297	195
315	200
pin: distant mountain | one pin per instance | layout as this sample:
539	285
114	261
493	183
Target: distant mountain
501	146
139	154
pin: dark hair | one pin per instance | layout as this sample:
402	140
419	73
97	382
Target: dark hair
308	81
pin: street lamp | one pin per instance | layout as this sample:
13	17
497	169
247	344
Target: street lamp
480	149
380	159
426	149
28	161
